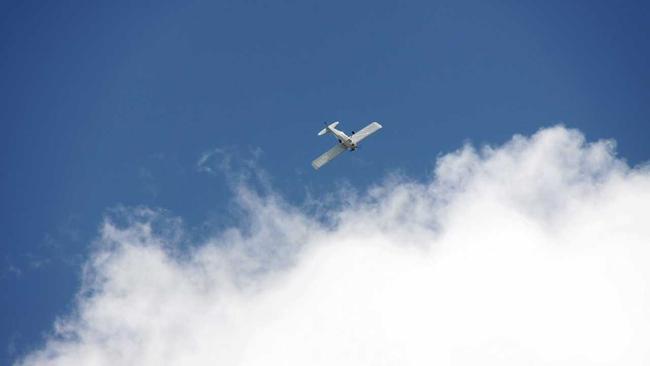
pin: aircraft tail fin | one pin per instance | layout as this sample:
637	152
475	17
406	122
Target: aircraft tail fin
326	129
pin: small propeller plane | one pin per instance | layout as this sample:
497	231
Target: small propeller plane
345	142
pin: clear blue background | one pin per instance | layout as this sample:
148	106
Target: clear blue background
107	104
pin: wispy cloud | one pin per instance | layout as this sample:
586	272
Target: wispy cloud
10	270
534	252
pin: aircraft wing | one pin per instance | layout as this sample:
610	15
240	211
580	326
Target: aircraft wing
365	132
328	155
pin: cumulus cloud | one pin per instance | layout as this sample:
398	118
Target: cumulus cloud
533	252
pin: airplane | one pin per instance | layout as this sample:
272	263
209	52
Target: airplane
345	142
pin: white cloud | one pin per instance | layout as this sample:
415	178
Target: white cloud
535	252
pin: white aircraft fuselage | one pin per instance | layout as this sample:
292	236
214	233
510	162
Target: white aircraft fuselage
343	138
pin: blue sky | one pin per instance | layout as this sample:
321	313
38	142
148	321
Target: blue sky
113	104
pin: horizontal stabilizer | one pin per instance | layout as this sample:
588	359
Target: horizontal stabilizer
324	130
